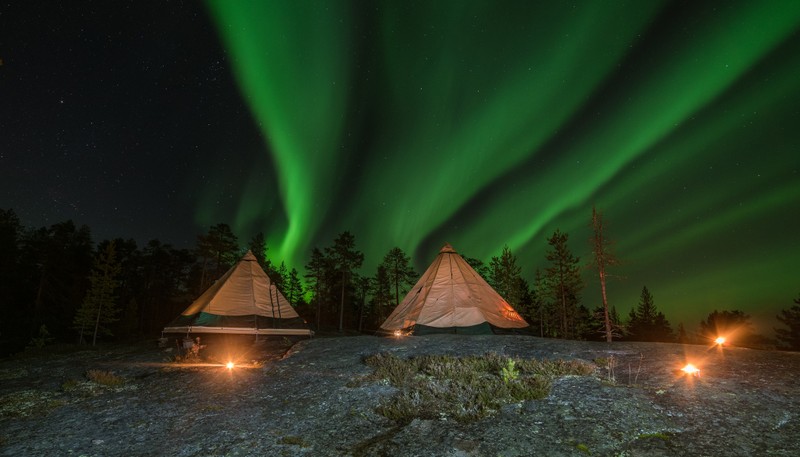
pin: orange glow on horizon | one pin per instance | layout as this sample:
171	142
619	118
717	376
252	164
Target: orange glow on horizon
720	340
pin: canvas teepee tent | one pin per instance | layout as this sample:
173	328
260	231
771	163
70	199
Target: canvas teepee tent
243	301
451	297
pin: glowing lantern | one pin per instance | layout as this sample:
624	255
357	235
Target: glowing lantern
720	340
398	333
691	370
229	365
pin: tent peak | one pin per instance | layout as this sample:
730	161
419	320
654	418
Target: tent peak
448	249
249	256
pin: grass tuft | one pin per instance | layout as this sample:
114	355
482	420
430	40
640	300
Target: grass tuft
462	388
104	378
70	385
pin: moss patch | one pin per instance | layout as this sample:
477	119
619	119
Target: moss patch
292	441
657	436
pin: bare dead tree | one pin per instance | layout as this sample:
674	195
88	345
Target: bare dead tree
603	258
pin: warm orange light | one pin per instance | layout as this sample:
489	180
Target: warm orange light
691	369
398	333
720	340
229	365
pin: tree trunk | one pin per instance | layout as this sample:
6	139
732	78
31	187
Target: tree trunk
541	320
341	305
80	335
396	283
606	317
319	308
97	322
360	319
602	258
37	304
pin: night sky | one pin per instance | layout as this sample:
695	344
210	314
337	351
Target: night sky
414	123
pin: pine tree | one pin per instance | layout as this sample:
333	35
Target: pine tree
583	324
523	297
316	272
99	308
478	266
564	283
258	246
363	288
220	248
646	323
790	318
129	259
346	259
505	276
400	273
166	283
61	259
539	306
645	312
293	288
596	328
382	296
281	276
617	326
12	278
662	330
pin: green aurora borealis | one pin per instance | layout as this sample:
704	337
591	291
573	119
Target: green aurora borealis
486	124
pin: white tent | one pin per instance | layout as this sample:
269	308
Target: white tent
452	297
243	301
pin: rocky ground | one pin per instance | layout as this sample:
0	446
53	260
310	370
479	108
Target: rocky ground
301	400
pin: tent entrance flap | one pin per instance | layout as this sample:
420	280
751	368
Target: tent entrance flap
479	329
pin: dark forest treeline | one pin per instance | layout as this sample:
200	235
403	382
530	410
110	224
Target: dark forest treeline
49	282
46	274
